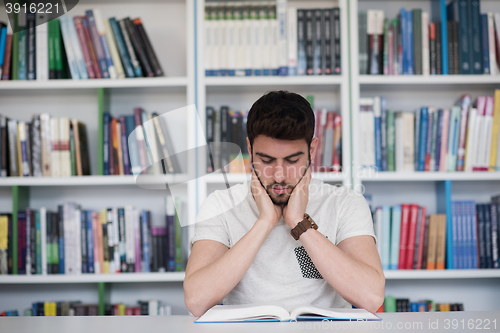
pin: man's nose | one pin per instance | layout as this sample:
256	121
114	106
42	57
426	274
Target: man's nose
279	173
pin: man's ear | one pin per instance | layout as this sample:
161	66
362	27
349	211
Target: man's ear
249	147
313	148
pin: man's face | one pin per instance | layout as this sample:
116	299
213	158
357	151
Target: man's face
280	164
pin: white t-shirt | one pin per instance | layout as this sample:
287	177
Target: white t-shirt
282	271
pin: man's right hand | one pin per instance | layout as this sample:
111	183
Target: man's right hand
267	209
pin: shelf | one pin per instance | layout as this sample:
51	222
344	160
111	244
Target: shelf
95	83
272	80
89	180
93	278
218	178
429	176
441	274
428	79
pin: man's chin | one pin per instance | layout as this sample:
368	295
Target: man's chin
280	200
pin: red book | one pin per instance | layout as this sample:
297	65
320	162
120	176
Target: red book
412	232
7	57
90	47
136	310
403	239
337	123
80	30
129	311
421	239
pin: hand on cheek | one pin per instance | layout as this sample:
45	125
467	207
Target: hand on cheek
294	211
268	211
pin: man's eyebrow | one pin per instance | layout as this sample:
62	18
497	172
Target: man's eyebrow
287	157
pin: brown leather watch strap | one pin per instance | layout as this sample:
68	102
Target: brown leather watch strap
302	226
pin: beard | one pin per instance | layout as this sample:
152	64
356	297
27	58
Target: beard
280	199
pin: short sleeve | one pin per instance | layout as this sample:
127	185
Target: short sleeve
354	218
210	223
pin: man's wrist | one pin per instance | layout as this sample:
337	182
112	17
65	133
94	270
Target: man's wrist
264	224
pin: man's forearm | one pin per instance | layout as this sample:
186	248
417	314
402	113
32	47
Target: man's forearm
358	283
207	286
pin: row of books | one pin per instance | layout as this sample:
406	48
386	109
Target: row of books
464	137
73	240
392	304
409	239
227	125
328	130
46	146
410	44
77	308
267	38
134	143
76	47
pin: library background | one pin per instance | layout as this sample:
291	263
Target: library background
406	96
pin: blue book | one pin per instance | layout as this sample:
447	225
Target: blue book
414	307
485	44
60	213
395	236
404	39
422	150
453	138
122	49
135	162
145	242
124	139
487	235
90	243
438	139
171	242
467	248
386	237
454	230
409	23
383	119
438	13
378	134
3	41
107	122
481	239
38	238
471	217
83	233
34	309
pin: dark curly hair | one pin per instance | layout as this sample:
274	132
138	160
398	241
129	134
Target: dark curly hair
281	115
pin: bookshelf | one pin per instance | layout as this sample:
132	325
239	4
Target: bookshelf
86	100
185	84
476	288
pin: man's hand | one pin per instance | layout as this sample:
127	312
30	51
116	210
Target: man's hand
294	211
267	209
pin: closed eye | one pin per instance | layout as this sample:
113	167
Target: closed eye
292	162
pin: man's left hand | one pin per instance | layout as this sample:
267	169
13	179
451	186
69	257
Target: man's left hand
294	211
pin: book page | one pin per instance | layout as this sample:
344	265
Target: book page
310	312
244	312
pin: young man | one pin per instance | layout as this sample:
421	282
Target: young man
245	251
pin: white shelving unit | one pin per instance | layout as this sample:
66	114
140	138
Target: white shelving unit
170	26
176	28
477	289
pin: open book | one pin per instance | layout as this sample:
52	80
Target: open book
271	312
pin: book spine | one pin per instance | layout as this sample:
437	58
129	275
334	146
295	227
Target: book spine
403	241
337	64
30	46
72	62
98	47
99	24
60	238
83	43
41	41
425	44
465	106
120	73
136	42
485	51
122	47
475	43
6	72
128	43
90	243
125	148
146	248
91	48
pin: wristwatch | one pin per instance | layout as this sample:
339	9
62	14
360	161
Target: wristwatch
302	226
